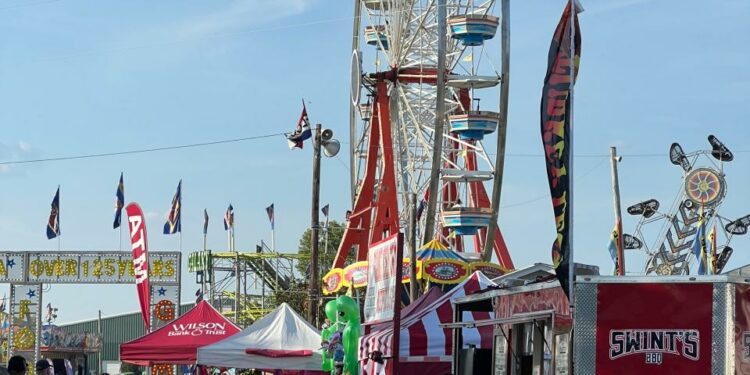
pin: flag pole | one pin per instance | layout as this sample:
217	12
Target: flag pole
59	232
273	247
179	226
571	205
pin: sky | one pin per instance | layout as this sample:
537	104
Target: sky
81	77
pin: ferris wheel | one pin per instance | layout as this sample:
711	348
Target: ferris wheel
400	97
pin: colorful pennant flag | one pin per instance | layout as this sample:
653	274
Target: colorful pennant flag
205	221
229	218
614	245
699	245
269	211
173	224
53	224
555	128
712	252
303	132
119	203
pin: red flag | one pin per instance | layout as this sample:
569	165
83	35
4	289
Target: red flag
138	242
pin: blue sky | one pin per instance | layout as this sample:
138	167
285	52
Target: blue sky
87	77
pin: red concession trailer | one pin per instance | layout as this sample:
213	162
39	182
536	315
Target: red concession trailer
662	325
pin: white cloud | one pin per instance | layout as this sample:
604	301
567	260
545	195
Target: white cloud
238	15
233	17
24	146
611	6
13	151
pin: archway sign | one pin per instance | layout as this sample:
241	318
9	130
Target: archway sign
27	271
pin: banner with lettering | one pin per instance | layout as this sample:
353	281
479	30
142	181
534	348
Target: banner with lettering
139	245
556	112
382	279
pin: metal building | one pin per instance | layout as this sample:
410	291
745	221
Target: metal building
115	330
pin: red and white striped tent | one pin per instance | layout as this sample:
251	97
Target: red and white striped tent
425	347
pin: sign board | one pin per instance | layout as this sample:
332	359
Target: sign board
200	261
25	320
85	267
382	261
742	329
654	328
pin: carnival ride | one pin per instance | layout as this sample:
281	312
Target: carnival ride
697	203
237	282
421	130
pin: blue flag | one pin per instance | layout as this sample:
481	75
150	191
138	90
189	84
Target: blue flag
119	203
53	224
173	224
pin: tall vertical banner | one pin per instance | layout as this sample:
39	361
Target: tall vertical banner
383	297
137	225
556	116
382	266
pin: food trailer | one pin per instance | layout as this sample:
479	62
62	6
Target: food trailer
658	325
531	322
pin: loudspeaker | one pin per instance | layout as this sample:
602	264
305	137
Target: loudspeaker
326	135
331	147
473	361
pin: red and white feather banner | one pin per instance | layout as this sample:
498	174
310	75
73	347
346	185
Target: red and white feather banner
137	225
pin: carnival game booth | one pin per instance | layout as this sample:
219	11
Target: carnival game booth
530	328
280	342
425	345
177	342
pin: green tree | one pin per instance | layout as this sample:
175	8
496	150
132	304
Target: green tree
298	294
325	254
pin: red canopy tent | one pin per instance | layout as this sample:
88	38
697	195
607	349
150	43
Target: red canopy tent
178	342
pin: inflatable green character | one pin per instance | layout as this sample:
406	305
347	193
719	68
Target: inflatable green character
325	336
348	316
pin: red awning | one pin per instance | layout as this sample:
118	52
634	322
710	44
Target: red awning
178	342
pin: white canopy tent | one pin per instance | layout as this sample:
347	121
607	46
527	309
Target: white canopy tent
281	340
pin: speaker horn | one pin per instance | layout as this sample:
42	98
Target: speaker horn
327	135
331	147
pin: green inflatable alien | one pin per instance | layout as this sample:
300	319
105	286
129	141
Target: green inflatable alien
348	315
341	339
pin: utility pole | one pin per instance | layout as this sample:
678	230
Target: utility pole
312	311
614	159
413	290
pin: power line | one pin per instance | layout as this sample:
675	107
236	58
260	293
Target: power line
24	5
543	196
139	151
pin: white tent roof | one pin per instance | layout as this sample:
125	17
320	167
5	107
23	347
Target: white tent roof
281	330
